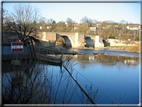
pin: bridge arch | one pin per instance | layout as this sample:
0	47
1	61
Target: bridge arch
64	41
89	42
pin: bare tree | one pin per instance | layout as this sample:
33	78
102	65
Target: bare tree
23	20
42	24
84	19
50	20
69	24
52	24
83	28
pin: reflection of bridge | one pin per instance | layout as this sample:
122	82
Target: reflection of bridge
74	39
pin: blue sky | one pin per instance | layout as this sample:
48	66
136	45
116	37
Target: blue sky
129	12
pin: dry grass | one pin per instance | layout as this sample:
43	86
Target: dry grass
128	48
133	48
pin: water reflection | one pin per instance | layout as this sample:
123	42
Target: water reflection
131	62
106	60
114	74
41	83
36	82
24	86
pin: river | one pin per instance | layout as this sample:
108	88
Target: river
117	77
107	79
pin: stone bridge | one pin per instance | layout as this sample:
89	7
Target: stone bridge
74	40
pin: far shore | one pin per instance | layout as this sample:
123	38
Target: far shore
123	48
72	52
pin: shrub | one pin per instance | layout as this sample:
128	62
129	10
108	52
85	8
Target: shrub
137	38
111	36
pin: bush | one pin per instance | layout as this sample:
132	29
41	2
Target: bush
137	38
111	36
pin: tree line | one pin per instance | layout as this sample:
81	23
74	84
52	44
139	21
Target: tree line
26	19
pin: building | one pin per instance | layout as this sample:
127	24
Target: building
98	24
48	25
93	28
133	26
75	25
45	25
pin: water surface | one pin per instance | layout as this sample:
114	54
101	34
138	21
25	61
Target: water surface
107	51
107	80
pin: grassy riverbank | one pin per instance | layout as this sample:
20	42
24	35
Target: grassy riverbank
126	48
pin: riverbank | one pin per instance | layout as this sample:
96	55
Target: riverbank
125	48
134	49
102	51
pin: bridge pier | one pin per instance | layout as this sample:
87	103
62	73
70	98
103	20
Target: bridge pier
98	41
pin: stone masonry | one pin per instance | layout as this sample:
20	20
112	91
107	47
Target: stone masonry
77	39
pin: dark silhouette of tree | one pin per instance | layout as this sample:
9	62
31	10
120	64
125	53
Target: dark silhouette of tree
23	21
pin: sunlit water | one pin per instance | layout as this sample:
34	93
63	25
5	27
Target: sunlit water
106	79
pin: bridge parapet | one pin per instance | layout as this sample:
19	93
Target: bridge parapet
76	39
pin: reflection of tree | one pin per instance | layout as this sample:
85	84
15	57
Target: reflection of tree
106	60
83	60
94	93
38	84
91	92
19	88
37	87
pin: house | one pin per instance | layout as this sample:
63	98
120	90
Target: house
40	27
48	25
98	24
133	26
93	27
108	24
66	23
45	25
75	25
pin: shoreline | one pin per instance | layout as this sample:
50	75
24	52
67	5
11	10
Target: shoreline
73	52
97	54
108	48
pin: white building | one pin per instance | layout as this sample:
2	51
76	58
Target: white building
133	26
93	28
